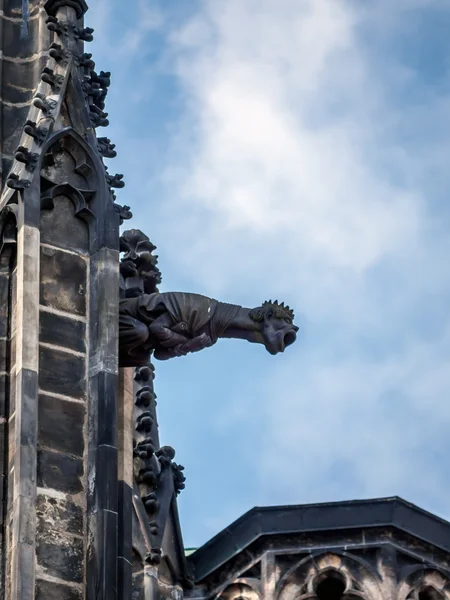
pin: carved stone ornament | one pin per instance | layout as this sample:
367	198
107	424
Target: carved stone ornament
16	183
52	6
39	134
174	324
138	268
46	105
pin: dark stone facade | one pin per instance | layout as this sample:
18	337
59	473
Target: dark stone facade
88	497
371	550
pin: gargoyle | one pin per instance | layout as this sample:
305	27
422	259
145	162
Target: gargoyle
174	324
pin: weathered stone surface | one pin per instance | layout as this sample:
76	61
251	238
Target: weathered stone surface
62	373
56	514
27	392
138	591
103	387
20	85
124	578
13	8
4	393
4	304
61	425
63	281
60	226
106	478
48	590
62	331
14	46
14	118
59	472
63	558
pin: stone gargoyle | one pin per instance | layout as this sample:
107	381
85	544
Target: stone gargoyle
175	324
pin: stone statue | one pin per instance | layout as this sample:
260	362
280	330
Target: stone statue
174	323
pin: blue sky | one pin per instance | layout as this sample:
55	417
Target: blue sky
296	149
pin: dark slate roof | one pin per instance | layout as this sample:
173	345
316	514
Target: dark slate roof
353	514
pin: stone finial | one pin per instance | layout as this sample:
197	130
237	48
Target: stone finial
52	6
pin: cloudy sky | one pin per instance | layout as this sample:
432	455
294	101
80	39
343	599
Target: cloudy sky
296	149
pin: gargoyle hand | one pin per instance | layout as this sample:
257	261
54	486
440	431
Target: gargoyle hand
197	343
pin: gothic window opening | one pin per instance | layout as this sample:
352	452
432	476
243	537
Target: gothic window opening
332	587
429	593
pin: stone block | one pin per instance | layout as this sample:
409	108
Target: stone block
60	226
20	84
17	47
14	118
61	424
48	590
27	393
14	8
59	472
62	558
58	515
63	281
62	373
62	331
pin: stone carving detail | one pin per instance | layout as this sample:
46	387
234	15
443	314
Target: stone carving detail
58	27
98	117
105	147
86	61
144	422
115	181
174	324
54	80
138	268
158	477
242	589
8	227
330	576
85	34
16	183
59	54
80	6
63	29
124	212
423	584
95	86
39	134
46	105
29	159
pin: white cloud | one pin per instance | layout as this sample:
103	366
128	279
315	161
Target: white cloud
263	158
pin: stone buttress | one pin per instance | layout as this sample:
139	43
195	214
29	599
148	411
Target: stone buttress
59	286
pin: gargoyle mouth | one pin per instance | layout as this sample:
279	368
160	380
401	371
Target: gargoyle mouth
281	342
289	338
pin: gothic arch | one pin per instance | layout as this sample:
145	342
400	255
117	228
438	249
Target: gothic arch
424	583
69	168
244	588
336	576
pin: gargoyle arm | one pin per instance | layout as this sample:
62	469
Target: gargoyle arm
161	331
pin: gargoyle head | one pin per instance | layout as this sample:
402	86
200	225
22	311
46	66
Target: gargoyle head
277	327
